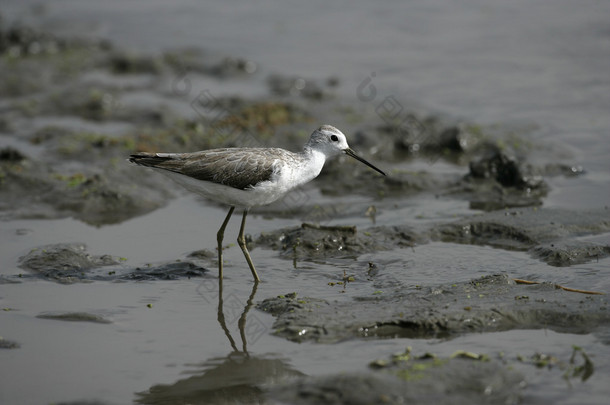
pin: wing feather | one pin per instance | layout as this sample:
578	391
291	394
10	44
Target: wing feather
239	168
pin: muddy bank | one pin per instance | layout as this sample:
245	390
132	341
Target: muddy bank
555	236
493	303
552	235
549	234
96	195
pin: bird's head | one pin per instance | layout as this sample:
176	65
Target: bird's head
332	142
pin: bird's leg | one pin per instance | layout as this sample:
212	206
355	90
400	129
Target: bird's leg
219	237
241	241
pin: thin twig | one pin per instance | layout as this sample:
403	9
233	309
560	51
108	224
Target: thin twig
520	281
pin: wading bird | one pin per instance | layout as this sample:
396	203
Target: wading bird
249	177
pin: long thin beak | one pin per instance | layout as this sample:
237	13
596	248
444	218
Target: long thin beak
350	152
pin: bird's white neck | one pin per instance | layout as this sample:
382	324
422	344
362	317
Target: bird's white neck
313	162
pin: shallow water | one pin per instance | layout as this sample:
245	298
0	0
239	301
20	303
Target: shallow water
179	335
541	66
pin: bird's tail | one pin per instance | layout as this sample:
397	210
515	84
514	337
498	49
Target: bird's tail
150	159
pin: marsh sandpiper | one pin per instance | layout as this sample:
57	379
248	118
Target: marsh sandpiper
249	177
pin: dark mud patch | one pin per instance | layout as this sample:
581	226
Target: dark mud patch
70	263
64	262
408	379
74	317
165	271
493	303
34	189
315	241
570	252
8	344
497	179
548	234
506	170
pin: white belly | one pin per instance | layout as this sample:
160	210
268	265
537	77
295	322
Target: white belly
261	195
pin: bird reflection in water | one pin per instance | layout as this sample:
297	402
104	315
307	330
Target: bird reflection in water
234	378
241	322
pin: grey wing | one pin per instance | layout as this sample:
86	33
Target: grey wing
238	168
235	167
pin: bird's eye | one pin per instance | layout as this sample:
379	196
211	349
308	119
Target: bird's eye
334	138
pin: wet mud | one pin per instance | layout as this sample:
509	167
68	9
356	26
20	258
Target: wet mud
407	379
493	303
548	234
70	263
63	262
464	377
309	242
